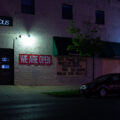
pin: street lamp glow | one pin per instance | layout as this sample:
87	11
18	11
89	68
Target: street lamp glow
27	40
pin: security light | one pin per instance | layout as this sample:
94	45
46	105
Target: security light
27	40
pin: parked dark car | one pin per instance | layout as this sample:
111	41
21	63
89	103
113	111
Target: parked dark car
102	86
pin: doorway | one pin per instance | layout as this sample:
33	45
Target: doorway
6	66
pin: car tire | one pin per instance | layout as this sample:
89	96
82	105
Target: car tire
102	92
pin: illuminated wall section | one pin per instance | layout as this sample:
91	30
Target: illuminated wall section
34	74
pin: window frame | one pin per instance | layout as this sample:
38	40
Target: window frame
64	13
28	9
100	17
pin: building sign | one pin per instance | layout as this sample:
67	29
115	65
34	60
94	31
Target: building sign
30	59
71	66
6	21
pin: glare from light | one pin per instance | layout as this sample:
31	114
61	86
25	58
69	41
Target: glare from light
27	40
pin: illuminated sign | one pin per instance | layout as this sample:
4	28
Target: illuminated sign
5	66
30	59
5	59
6	21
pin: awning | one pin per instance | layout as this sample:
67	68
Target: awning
60	46
110	49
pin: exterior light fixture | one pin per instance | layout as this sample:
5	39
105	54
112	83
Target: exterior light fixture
19	36
28	35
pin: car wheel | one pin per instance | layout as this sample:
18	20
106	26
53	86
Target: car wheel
103	92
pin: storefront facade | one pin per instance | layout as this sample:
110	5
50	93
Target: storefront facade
27	40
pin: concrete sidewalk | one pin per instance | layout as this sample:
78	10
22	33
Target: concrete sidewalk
18	94
9	90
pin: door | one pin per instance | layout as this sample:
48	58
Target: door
6	66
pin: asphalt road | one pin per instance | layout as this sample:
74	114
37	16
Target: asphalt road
43	107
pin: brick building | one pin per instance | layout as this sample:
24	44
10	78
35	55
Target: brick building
29	30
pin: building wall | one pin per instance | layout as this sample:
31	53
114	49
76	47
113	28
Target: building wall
111	66
46	23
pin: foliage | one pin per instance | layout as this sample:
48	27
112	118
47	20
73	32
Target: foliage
87	43
70	93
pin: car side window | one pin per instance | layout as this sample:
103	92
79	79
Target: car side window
116	78
102	79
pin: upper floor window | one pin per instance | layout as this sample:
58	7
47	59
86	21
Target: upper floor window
67	12
100	17
27	6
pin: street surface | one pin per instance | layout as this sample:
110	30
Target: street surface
44	107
